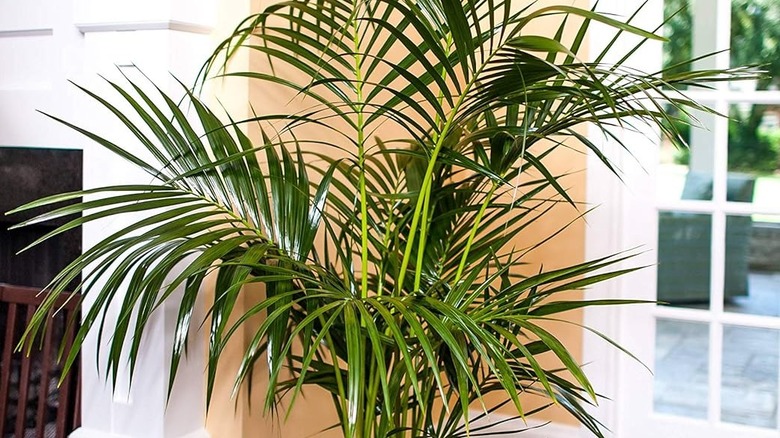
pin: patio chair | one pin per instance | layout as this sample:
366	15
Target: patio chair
684	242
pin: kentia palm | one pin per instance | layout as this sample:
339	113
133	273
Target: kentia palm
409	308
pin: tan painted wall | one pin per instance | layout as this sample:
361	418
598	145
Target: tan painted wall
225	415
236	418
568	247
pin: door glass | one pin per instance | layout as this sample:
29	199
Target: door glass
750	376
754	155
743	150
755	39
752	277
684	259
689	39
681	368
677	29
685	173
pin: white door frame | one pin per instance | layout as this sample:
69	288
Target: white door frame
626	218
611	229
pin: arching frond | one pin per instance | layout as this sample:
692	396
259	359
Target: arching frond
383	233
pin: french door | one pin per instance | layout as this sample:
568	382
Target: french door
709	218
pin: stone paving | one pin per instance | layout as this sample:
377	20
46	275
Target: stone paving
681	368
749	388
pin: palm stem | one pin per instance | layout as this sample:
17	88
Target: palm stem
474	228
405	358
422	201
360	124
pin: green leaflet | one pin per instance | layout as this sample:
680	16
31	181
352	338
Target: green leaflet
380	218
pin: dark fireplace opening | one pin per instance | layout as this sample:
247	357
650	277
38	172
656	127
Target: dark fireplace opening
39	264
27	174
31	402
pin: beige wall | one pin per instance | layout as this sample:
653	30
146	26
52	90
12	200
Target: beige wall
235	418
568	247
565	249
225	416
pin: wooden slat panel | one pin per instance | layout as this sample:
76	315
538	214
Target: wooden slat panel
77	400
32	296
43	390
26	300
64	396
5	364
24	385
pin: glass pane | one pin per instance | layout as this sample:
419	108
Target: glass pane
686	172
691	35
681	368
677	28
752	278
754	154
749	378
684	259
755	39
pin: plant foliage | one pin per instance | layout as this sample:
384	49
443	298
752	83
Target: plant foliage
388	262
755	37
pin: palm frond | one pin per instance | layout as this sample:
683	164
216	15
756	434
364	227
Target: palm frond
391	277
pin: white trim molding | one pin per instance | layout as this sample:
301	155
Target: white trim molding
551	430
16	33
94	433
125	26
83	432
192	16
534	428
611	229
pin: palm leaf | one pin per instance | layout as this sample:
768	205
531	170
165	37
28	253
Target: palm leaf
391	278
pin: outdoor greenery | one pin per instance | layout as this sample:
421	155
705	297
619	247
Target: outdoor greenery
755	39
389	261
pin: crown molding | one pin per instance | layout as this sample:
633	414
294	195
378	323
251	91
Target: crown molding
128	26
15	33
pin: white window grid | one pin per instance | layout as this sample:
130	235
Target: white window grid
720	98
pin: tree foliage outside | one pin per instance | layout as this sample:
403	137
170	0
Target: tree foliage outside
754	144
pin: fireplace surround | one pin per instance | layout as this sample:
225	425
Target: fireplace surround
31	402
27	174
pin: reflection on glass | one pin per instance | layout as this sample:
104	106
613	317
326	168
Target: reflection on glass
753	265
684	259
681	368
688	26
686	172
750	376
754	153
755	39
679	45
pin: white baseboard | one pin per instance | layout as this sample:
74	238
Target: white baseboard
554	430
200	433
534	428
83	432
94	433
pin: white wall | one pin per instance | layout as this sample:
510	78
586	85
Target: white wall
45	43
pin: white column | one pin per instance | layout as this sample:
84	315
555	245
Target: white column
612	228
161	38
706	39
46	43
